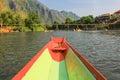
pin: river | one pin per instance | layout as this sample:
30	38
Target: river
101	48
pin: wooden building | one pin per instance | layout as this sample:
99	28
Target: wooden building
103	18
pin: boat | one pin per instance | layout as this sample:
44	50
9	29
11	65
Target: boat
58	60
77	30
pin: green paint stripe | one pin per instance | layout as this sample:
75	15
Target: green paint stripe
76	69
58	71
40	69
63	75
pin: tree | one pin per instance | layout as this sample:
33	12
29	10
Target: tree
56	22
18	20
7	18
87	19
32	19
68	20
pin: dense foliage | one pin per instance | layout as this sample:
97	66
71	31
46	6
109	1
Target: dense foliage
83	20
87	19
68	21
9	18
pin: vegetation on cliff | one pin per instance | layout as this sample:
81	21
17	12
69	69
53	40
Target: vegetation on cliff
26	13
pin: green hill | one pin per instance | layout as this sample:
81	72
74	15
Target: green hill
24	7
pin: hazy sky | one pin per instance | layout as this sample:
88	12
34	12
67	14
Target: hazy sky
84	7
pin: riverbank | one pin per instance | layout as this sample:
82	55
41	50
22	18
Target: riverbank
21	29
6	30
25	29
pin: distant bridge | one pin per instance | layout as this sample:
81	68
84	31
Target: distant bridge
101	26
81	26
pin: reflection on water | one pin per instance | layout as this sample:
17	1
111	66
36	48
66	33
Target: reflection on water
101	48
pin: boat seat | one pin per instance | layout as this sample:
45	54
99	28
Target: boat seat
58	48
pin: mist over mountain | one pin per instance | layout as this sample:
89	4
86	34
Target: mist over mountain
24	7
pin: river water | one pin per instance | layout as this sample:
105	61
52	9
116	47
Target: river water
101	48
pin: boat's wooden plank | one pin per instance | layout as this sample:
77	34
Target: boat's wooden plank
76	69
40	69
96	73
54	71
